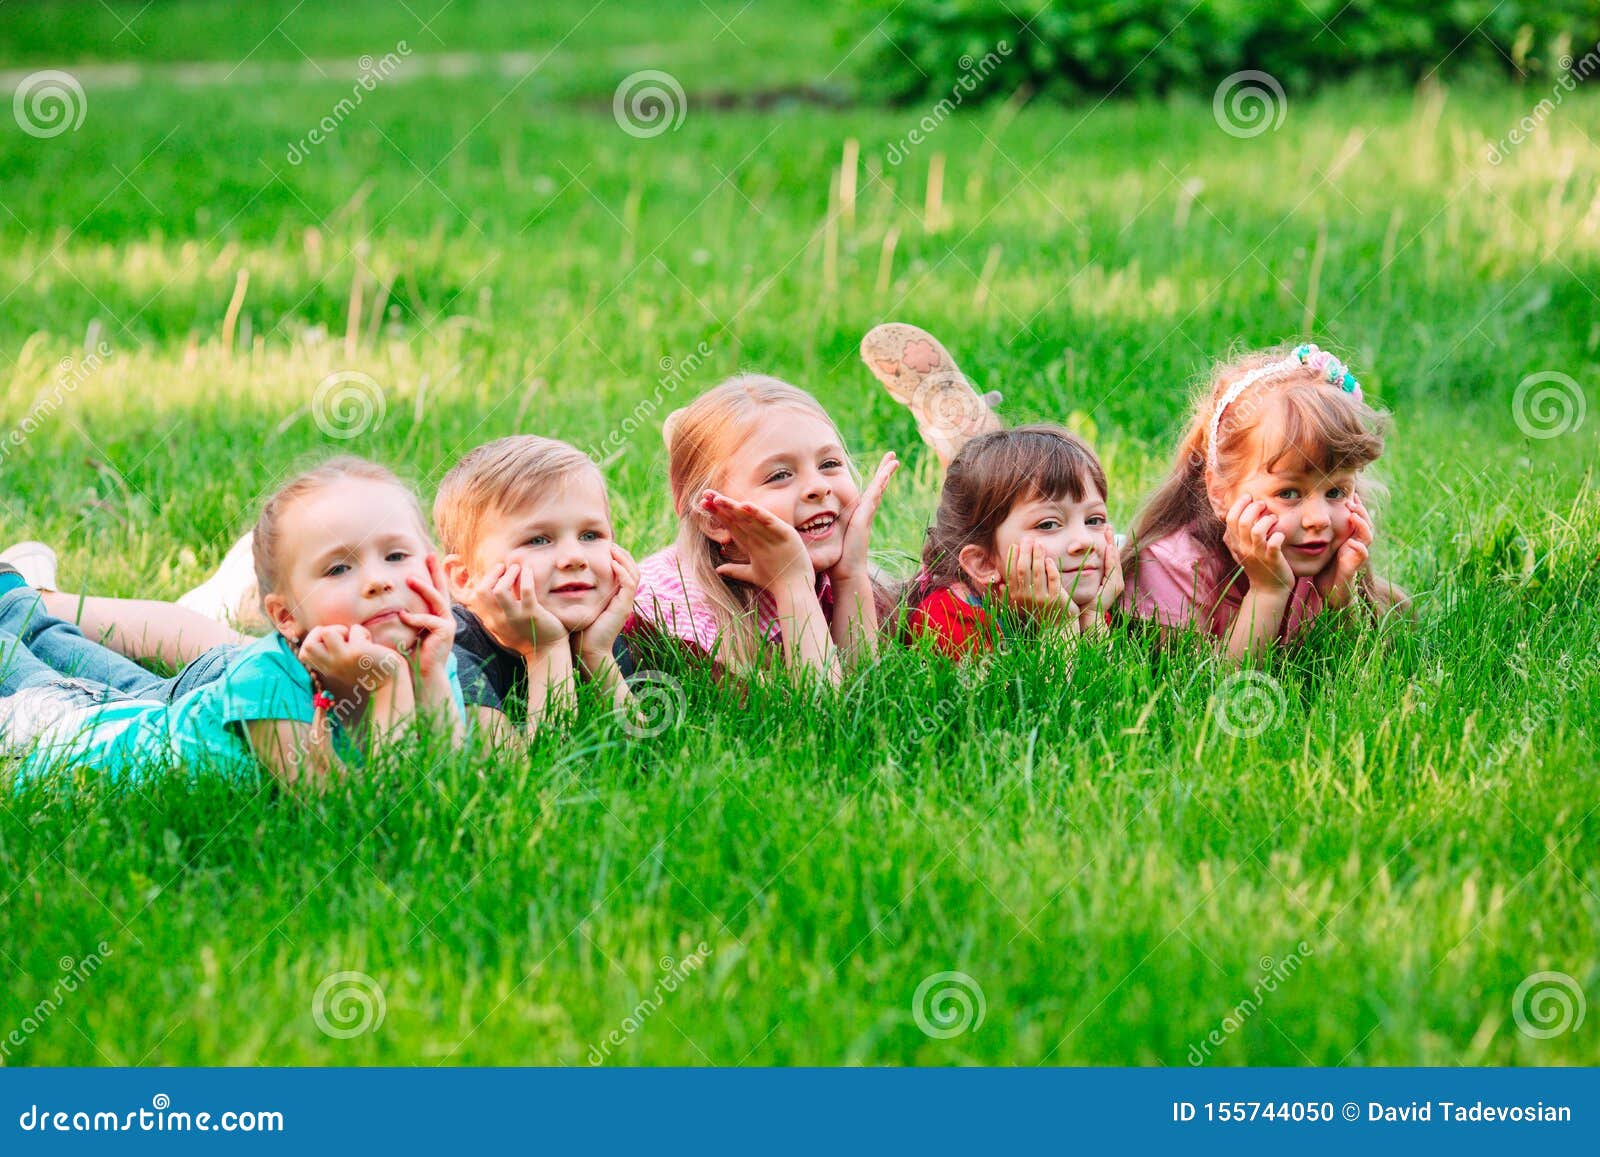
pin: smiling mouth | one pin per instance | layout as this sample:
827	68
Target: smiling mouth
572	589
380	618
817	527
1310	547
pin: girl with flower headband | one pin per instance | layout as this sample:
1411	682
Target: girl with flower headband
1262	523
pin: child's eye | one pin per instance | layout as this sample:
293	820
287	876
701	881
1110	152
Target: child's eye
590	536
1288	495
1096	520
538	540
397	556
1335	493
336	570
832	464
1048	524
779	476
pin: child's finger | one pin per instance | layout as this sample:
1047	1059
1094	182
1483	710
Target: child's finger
739	572
880	479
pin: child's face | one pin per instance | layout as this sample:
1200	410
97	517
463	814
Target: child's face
348	553
563	543
793	466
1312	509
1074	534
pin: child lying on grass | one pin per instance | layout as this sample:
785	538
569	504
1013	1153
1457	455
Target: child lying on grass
360	652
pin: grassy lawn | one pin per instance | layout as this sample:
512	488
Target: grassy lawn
1077	832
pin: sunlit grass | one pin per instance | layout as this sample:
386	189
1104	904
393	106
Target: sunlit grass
1074	830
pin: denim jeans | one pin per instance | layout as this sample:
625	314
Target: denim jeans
52	648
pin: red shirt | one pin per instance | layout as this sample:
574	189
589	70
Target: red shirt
958	626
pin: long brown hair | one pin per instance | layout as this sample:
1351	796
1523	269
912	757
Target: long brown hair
1320	425
990	475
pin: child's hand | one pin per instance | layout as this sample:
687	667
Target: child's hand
347	657
510	611
435	625
775	554
1032	582
1253	538
597	638
1337	581
1111	566
852	562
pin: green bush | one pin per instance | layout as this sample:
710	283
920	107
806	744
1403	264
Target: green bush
927	48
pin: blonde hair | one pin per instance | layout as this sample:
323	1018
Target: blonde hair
1321	426
267	539
701	439
499	477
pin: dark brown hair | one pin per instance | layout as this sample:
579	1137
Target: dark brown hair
990	476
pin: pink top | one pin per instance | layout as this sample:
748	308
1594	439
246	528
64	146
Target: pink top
1181	581
671	601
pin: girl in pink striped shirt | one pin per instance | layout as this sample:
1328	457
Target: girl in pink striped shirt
773	533
1262	523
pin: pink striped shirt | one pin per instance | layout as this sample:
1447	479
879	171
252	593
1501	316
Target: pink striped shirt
672	602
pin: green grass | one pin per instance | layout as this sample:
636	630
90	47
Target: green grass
1075	830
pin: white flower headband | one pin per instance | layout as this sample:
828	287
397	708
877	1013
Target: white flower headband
1332	370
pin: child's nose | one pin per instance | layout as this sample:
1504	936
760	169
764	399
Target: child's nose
818	486
378	583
